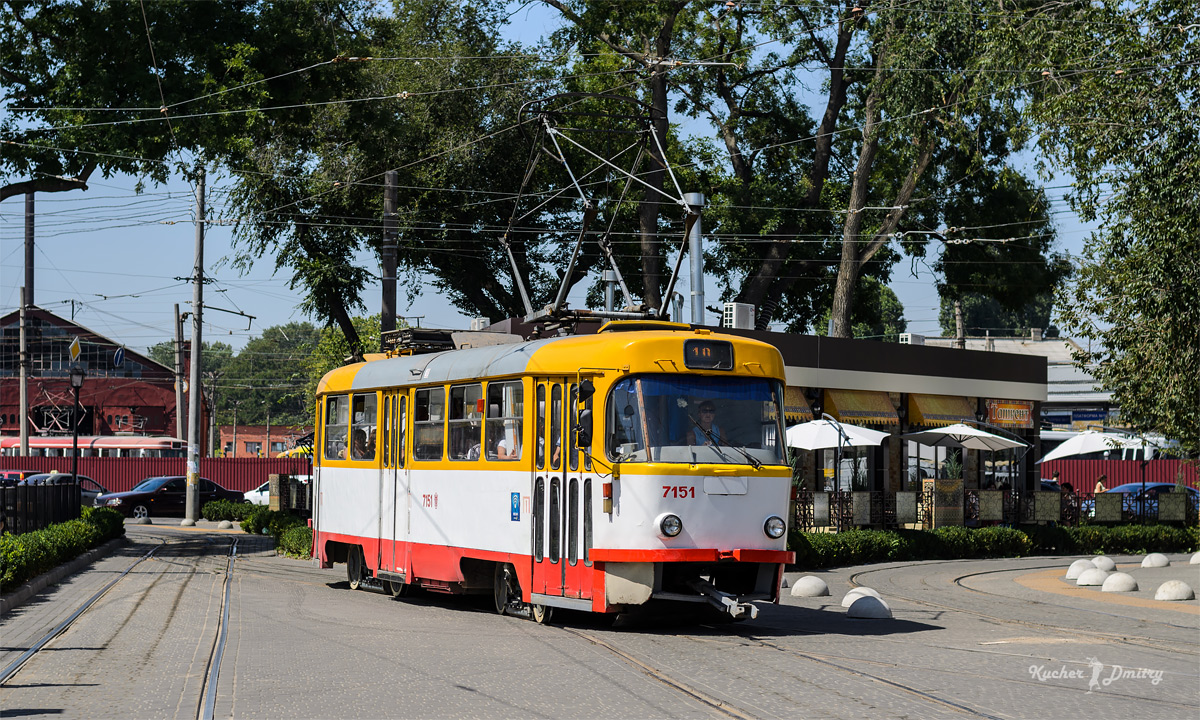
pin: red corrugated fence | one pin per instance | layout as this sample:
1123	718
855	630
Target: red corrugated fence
1082	474
120	474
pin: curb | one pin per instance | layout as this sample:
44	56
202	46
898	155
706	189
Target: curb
21	595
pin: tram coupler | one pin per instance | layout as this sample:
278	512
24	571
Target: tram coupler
723	601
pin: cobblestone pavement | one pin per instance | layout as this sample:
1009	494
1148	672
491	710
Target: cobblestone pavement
991	639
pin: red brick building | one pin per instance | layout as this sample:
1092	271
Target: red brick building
261	440
137	398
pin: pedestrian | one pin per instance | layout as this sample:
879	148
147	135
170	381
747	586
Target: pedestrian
1054	479
1100	483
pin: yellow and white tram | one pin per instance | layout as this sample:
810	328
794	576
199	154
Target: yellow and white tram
574	472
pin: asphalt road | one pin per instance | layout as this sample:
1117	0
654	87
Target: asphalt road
990	639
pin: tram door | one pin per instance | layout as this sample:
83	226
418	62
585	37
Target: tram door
393	485
561	496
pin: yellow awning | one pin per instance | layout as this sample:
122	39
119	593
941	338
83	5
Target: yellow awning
795	407
861	407
938	410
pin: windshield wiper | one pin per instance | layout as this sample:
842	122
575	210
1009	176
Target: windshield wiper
754	462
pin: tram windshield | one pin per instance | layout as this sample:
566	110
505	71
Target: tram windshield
690	419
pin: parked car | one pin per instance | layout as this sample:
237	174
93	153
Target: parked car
11	478
1135	500
260	495
164	495
89	489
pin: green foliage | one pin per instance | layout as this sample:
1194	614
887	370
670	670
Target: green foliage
264	521
30	554
1129	137
858	547
984	315
217	510
296	541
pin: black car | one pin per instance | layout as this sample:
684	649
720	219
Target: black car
164	495
89	489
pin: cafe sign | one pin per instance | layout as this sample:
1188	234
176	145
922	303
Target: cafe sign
1010	413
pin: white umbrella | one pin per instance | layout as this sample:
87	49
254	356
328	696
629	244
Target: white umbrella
1092	441
819	434
963	436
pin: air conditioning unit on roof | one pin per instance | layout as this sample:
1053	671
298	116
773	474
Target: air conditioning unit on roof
911	339
738	315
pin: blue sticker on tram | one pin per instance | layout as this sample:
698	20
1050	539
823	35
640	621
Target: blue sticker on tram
516	506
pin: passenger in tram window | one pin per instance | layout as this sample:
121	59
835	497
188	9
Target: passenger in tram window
705	430
361	448
502	452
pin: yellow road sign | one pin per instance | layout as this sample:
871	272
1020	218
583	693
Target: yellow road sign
75	349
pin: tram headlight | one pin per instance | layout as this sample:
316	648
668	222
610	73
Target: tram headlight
670	525
774	527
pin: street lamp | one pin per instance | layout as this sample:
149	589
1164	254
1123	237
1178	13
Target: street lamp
77	375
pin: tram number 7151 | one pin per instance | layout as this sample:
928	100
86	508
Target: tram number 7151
679	491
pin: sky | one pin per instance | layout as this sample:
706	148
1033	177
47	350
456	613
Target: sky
120	257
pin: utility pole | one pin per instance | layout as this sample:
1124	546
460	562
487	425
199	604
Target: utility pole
213	377
192	508
28	248
180	414
235	407
696	254
387	316
24	361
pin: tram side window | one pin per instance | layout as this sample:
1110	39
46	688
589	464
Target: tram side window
428	413
466	421
401	418
556	411
505	407
337	425
362	433
625	437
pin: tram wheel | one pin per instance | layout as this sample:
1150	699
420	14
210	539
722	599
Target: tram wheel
354	567
397	589
541	614
505	589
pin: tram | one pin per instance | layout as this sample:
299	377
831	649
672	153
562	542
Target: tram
598	472
96	446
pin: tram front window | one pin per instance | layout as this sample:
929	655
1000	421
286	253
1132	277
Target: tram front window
689	419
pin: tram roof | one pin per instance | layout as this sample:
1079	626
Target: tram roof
511	359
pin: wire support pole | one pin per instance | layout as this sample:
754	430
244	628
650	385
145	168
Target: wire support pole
662	154
688	223
562	158
589	213
193	453
623	171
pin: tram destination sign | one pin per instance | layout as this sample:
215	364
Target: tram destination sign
708	355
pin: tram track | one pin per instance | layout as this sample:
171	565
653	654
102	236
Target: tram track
205	703
1125	639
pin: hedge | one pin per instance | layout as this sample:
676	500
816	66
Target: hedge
291	533
30	554
217	510
860	547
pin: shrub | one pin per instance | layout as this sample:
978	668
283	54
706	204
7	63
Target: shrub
264	521
217	510
857	547
296	541
33	553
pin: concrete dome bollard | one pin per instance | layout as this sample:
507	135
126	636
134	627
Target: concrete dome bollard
810	586
869	607
1195	559
1078	567
224	525
1154	560
1104	563
143	521
1174	590
858	592
1094	576
1119	582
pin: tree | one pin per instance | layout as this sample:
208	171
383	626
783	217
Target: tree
332	351
267	378
210	62
984	315
1125	125
214	356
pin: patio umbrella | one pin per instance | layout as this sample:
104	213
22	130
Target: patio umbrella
819	434
1092	441
963	436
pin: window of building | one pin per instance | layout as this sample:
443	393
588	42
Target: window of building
254	448
278	446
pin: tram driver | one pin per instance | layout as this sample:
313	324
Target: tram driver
705	430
